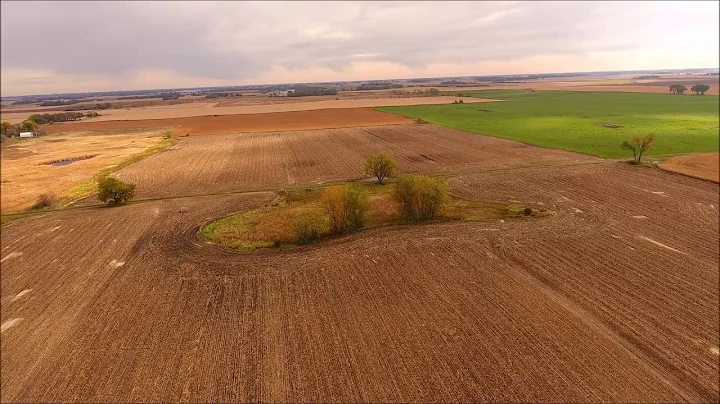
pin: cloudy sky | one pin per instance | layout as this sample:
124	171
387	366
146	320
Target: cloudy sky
51	47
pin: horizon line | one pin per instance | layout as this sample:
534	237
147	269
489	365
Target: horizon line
90	93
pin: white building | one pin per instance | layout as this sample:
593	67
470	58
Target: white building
26	134
277	93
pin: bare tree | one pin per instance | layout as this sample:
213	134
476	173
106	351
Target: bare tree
639	145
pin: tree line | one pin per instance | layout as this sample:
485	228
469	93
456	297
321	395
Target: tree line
33	122
378	86
310	91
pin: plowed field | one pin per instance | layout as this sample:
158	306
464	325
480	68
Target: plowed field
705	166
297	120
612	298
199	165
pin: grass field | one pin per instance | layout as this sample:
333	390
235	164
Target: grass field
573	120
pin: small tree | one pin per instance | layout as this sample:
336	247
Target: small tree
381	166
5	126
115	192
45	201
700	89
420	197
347	207
639	145
678	88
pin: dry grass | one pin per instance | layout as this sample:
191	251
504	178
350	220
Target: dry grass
26	172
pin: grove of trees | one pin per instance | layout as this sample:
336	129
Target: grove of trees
42	119
378	86
309	91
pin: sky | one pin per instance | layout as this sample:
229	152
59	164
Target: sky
57	46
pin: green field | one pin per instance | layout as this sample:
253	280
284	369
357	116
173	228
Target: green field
573	121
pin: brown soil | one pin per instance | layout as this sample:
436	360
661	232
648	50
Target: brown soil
295	120
220	163
591	304
705	166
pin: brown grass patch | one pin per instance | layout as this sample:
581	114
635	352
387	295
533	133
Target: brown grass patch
27	173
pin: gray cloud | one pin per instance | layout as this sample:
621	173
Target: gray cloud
227	40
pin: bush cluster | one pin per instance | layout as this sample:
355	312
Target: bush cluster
114	191
347	207
305	232
420	197
45	201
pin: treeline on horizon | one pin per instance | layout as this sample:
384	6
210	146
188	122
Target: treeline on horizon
71	98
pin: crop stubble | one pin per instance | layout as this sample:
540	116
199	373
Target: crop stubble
575	307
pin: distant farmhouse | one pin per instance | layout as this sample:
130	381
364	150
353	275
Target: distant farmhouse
277	93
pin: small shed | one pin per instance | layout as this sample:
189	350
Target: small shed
26	134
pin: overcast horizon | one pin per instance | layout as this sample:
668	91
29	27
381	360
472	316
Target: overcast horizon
71	47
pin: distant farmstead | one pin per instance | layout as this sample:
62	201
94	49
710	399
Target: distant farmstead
26	134
277	93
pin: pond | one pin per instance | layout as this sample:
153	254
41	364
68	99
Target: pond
69	161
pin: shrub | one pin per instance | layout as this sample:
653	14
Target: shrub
347	207
12	132
420	197
305	231
460	102
276	243
639	145
527	211
45	201
455	102
114	192
381	166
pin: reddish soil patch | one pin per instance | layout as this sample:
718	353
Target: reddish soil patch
280	121
705	166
